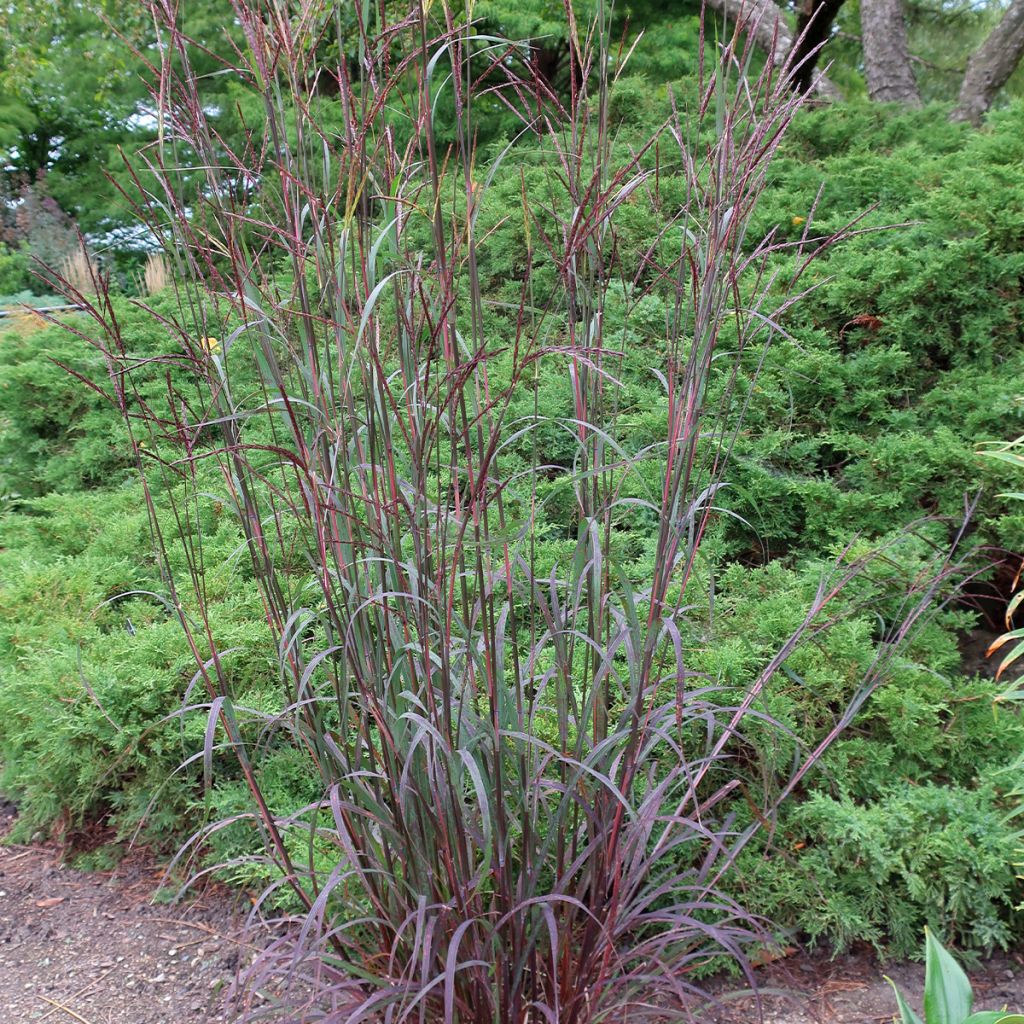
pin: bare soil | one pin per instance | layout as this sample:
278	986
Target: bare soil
851	989
93	948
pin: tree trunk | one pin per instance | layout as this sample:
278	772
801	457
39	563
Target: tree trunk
767	25
886	57
813	26
991	65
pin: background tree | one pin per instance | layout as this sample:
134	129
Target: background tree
814	26
798	50
70	97
73	100
903	51
890	78
992	65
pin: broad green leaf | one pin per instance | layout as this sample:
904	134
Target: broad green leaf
1012	459
947	992
1014	634
1010	659
994	1017
907	1015
1011	695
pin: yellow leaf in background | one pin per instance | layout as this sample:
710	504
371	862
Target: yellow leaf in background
797	221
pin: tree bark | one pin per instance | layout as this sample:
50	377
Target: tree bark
813	26
886	57
767	25
991	65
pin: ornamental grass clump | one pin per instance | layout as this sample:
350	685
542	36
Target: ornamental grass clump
526	799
